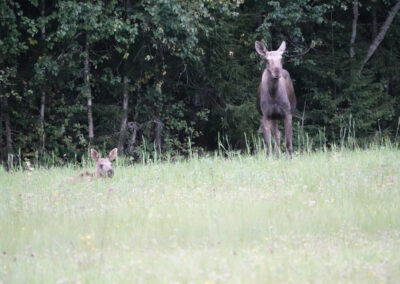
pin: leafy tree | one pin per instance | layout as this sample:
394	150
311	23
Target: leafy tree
157	76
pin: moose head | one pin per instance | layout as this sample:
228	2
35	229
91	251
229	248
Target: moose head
103	165
274	58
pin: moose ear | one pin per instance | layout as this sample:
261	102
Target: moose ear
94	154
113	154
282	47
261	49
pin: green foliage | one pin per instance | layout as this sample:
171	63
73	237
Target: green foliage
190	65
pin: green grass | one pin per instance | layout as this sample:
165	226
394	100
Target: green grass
319	218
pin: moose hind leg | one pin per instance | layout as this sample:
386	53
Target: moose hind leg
266	129
288	136
277	137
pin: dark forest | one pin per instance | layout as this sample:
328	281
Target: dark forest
174	76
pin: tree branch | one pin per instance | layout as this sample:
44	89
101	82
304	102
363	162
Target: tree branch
378	39
354	28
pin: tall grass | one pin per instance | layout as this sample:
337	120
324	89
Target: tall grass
326	216
253	143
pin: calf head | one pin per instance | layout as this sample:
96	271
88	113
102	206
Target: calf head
274	58
103	165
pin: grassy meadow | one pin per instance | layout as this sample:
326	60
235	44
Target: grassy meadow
327	217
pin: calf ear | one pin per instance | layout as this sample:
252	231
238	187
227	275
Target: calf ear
113	154
282	47
260	48
94	154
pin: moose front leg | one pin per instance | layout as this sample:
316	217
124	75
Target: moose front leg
288	136
266	129
277	137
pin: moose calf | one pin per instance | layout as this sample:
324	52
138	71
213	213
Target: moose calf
103	165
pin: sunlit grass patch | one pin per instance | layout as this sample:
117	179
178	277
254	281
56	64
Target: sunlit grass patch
329	216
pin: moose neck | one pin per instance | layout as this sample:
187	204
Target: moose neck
273	86
270	84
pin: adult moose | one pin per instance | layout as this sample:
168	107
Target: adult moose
276	98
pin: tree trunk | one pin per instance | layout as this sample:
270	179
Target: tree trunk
2	144
157	134
8	130
43	96
88	90
42	132
42	13
378	39
134	127
354	28
122	133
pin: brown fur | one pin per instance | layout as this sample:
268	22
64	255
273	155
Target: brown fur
103	168
103	165
88	176
276	98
